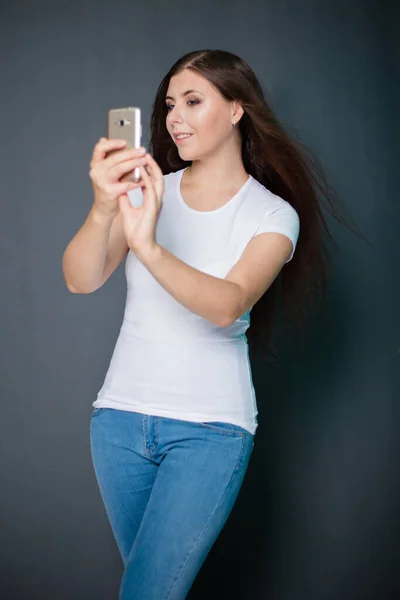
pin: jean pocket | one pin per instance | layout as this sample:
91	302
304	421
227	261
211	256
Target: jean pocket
224	428
96	411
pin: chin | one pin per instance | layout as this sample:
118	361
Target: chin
186	156
187	153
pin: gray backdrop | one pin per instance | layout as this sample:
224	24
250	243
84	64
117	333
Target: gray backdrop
318	514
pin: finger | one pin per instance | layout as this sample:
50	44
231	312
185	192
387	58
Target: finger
125	187
148	167
154	167
104	146
124	204
156	174
131	154
149	198
122	168
146	178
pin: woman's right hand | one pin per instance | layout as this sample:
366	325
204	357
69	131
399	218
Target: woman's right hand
109	173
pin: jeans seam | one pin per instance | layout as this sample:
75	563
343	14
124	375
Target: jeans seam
145	451
222	430
211	516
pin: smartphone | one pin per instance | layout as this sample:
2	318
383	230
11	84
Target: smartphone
125	124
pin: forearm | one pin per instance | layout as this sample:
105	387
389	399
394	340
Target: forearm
212	298
85	257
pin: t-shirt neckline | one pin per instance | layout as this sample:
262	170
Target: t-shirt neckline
208	212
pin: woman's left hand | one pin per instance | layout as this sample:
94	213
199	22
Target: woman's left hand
140	223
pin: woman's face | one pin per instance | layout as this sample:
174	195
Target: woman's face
203	113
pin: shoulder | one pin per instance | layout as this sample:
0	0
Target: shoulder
274	203
279	216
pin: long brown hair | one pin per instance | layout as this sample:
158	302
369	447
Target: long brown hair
285	166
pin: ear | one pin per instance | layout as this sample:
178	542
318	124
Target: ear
237	111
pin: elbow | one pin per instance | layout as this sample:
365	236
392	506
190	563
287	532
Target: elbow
227	321
71	288
236	310
75	290
225	324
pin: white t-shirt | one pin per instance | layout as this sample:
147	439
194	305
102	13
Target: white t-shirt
169	361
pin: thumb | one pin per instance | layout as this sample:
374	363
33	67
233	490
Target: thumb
124	203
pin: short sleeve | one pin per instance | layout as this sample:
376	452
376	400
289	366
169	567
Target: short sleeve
283	219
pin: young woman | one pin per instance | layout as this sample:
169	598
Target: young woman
225	211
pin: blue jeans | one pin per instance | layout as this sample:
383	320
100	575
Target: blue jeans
168	487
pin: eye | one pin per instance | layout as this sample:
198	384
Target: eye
189	102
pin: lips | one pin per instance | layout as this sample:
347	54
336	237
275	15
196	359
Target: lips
182	133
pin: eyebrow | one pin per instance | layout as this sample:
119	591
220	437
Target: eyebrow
184	94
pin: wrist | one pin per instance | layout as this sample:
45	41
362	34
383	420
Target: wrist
148	254
102	217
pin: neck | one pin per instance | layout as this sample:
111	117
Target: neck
217	172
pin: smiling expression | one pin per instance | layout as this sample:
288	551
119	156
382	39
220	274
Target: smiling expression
196	108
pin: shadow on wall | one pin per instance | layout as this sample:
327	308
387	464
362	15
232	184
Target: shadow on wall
293	520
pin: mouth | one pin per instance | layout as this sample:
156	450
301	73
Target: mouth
180	140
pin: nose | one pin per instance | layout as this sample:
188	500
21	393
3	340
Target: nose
176	119
175	116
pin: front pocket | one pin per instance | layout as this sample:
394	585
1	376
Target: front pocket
96	411
224	428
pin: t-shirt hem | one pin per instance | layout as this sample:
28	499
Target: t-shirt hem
195	417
